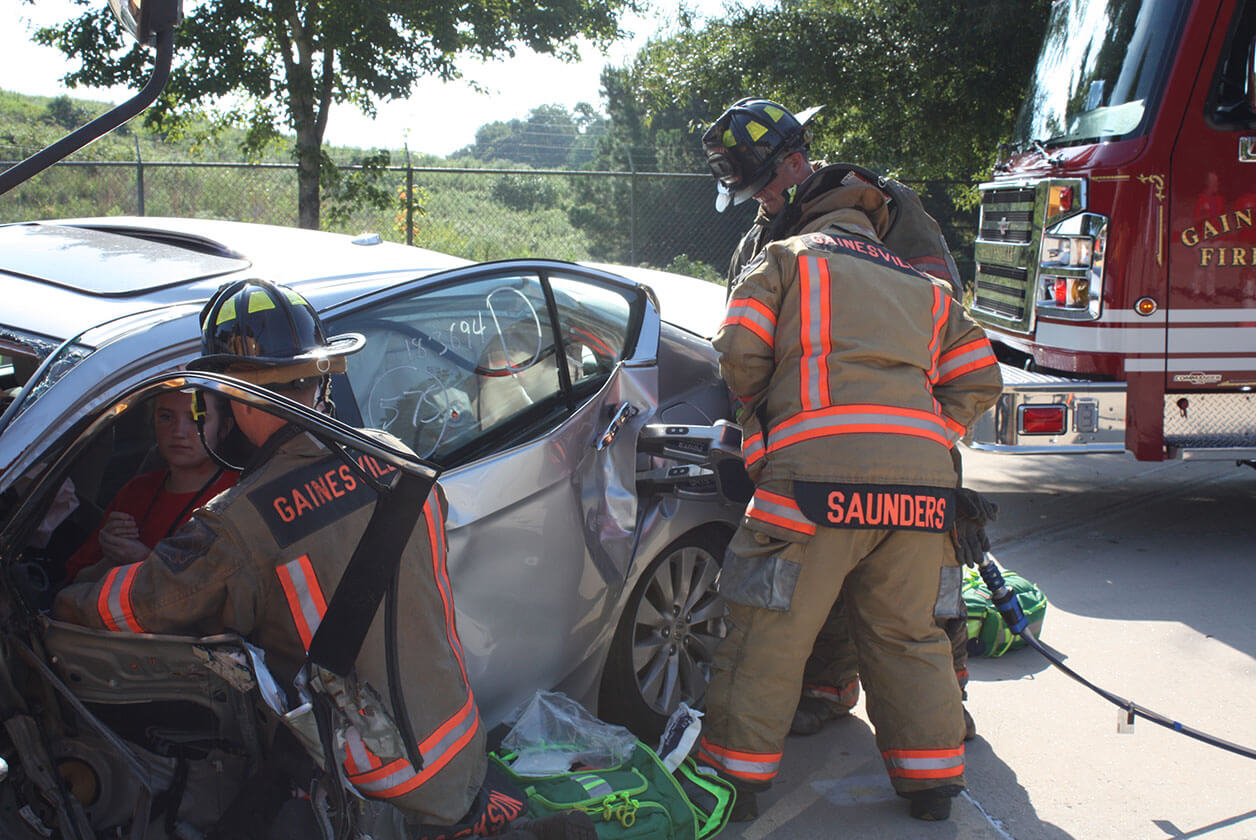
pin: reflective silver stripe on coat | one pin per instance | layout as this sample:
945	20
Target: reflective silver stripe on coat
745	312
831	423
303	588
363	759
779	510
974	355
118	610
815	331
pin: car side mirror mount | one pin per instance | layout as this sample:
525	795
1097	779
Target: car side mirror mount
151	22
144	19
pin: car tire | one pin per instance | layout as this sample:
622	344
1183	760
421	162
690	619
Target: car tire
663	646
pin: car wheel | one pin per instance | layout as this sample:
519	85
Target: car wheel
662	650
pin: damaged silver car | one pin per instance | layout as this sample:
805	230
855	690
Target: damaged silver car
582	445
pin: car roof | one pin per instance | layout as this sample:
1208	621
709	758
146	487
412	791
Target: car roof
88	271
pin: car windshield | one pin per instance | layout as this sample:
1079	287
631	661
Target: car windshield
1101	71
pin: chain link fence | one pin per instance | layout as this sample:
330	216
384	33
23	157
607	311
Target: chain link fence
657	219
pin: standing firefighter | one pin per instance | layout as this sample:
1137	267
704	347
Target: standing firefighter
769	146
854	375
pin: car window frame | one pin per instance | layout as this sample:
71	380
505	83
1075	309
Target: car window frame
546	414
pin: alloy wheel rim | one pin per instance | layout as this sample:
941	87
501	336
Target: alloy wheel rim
678	623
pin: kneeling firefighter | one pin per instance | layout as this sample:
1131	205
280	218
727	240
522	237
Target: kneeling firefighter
258	562
854	374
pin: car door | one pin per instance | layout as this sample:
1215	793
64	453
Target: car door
528	382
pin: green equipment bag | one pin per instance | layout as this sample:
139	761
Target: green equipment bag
637	799
988	633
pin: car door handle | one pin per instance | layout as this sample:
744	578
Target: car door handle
622	415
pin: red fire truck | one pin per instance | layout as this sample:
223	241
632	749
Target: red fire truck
1116	259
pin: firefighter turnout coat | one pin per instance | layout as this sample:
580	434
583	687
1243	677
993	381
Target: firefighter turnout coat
847	364
263	560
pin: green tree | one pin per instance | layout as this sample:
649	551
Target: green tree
273	64
551	137
919	89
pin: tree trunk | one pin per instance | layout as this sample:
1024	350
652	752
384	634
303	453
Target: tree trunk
309	147
309	101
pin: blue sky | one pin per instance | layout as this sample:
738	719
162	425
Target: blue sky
516	86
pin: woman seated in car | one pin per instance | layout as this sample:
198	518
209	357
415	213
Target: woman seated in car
153	505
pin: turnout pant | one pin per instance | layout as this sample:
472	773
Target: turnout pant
832	672
892	581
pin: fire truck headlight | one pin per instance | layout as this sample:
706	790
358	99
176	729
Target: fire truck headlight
1071	265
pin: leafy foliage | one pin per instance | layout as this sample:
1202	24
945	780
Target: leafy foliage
918	89
272	64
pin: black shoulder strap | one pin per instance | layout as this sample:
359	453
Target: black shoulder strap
370	572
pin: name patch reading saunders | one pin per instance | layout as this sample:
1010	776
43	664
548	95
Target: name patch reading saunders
299	503
890	506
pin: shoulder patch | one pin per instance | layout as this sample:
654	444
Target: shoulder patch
301	502
185	546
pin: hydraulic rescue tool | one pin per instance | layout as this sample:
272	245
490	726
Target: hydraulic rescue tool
1010	609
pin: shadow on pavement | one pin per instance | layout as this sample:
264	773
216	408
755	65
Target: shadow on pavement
834	785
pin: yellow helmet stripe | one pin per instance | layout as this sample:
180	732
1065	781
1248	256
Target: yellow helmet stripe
227	313
260	301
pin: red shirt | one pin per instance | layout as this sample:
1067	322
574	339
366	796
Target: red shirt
158	513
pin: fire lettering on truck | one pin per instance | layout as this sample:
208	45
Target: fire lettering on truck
1216	226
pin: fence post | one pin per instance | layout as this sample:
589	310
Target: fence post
409	203
139	178
632	210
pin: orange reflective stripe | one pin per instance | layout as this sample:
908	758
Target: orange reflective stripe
941	311
779	510
755	316
114	602
305	596
398	777
925	764
436	542
752	448
964	359
858	419
759	767
815	297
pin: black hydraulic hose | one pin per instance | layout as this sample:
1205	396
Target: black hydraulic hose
1009	608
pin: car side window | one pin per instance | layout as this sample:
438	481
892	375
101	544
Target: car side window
594	321
447	366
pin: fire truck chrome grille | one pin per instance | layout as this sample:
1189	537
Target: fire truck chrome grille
1007	215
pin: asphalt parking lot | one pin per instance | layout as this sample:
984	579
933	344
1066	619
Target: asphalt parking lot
1148	571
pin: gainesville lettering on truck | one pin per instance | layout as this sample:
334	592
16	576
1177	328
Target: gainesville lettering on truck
1116	253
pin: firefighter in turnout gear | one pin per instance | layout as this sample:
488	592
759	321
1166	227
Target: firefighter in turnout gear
854	374
264	560
791	193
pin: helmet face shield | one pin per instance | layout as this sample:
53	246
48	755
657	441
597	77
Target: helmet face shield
746	144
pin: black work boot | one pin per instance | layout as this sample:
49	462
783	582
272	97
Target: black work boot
970	726
811	715
746	807
933	804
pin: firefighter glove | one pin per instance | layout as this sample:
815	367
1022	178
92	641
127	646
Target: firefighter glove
972	512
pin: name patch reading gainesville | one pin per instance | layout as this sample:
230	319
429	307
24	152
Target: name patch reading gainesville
301	502
894	507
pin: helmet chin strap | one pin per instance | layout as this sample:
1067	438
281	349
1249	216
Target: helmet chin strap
199	413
